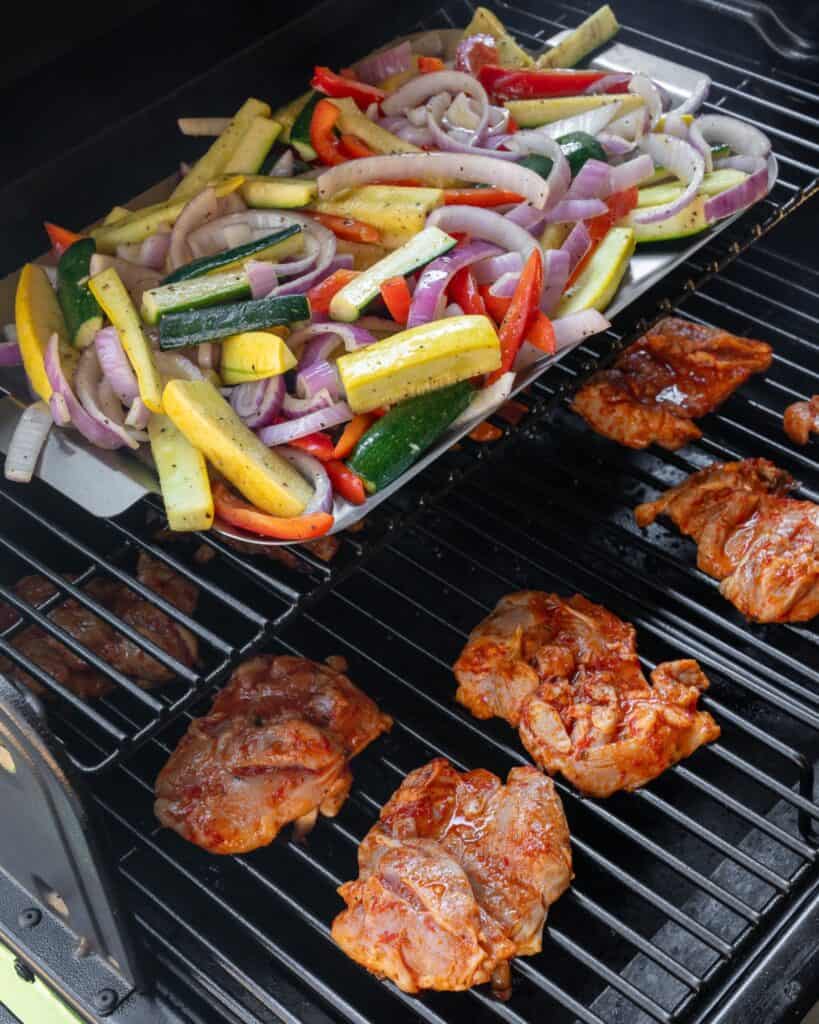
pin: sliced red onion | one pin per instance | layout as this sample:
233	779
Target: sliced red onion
571	329
577	244
682	160
202	208
605	83
116	367
631	173
354	336
526	216
747	164
615	145
649	94
697	97
417	117
87	381
150	253
27	442
429	44
384	64
109	404
284	166
137	279
486	170
59	409
379	325
10	354
675	124
695	137
490	270
452	141
555	275
504	287
487	400
138	415
453	309
590	121
290	430
173	366
311	469
207	355
747	192
420	89
96	429
560	176
259	402
744	139
294	408
372	112
417	136
571	210
488	225
317	378
631	126
318	350
435	278
262	278
592	181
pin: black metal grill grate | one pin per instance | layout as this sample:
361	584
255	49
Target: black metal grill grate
677	885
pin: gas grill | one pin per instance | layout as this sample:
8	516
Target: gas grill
696	898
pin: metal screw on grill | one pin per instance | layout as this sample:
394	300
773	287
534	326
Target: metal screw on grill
29	918
23	970
105	1001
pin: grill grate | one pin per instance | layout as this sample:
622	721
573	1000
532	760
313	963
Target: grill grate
679	885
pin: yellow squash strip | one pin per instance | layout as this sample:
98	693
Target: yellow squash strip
533	113
364	255
509	53
266	193
183	476
139	224
595	287
109	291
38	315
116	213
217	157
397	211
209	423
419	360
597	29
253	147
254	355
379	140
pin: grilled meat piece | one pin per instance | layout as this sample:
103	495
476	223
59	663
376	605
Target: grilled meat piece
762	545
103	640
565	672
274	748
801	420
676	373
459	872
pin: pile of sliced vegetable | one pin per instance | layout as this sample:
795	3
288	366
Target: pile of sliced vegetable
331	286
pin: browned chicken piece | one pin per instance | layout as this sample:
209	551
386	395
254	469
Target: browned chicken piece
456	878
676	373
801	420
566	673
274	748
103	640
762	545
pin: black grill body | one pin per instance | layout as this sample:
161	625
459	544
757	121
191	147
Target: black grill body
696	899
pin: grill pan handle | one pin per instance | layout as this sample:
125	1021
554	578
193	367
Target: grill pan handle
65	914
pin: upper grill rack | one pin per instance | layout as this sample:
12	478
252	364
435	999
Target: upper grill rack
245	599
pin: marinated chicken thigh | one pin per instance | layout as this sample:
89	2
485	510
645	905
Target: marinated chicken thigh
676	373
801	419
274	748
565	672
103	640
762	545
456	878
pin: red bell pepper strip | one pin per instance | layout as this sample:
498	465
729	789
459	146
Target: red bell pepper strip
480	197
345	482
397	299
322	133
475	51
60	238
523	305
541	334
515	84
321	295
353	148
496	305
347	227
620	204
231	509
429	64
464	291
352	434
318	445
484	432
331	84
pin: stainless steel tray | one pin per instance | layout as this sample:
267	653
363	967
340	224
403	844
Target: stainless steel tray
108	483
